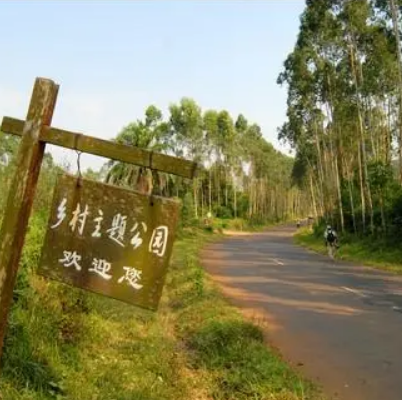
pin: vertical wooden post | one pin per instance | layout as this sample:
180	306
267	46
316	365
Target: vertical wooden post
21	194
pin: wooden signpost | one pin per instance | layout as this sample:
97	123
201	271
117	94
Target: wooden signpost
101	238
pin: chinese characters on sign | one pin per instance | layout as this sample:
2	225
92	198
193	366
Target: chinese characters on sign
109	240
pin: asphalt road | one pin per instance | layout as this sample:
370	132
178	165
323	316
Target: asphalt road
340	324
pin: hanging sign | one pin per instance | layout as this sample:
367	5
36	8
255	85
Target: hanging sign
109	240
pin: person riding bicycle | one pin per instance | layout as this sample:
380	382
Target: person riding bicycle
331	238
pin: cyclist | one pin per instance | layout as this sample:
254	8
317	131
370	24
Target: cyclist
331	240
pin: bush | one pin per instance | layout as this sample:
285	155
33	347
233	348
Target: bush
242	365
223	212
187	211
22	363
219	342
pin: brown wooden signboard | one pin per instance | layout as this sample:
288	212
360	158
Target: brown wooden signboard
109	240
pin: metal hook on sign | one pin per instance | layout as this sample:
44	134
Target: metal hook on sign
79	181
152	177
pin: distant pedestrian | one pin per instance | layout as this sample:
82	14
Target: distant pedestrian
331	240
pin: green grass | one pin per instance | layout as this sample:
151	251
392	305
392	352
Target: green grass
63	343
240	224
371	252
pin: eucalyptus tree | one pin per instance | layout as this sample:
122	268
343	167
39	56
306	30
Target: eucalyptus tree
188	134
344	107
150	134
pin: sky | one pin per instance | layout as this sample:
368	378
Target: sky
114	58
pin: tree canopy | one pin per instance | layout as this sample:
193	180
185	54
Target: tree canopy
241	174
344	111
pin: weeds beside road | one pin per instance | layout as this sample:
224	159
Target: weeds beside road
67	344
376	253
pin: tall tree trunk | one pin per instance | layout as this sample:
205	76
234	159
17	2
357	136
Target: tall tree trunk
226	187
335	156
334	162
318	190
338	187
250	202
210	191
195	197
202	199
367	111
383	220
395	23
386	134
349	178
362	139
328	193
313	196
320	166
362	197
218	186
234	197
235	202
352	206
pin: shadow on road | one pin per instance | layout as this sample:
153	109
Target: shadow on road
341	322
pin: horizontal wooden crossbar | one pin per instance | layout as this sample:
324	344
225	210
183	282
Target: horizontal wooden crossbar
105	148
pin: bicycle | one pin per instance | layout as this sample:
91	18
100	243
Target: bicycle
332	247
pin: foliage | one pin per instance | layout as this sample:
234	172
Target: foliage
375	252
344	113
240	174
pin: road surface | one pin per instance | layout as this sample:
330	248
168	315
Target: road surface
340	324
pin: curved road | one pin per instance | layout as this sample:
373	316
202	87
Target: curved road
340	324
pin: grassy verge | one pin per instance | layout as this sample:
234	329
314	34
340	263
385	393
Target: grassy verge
67	344
239	224
375	253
